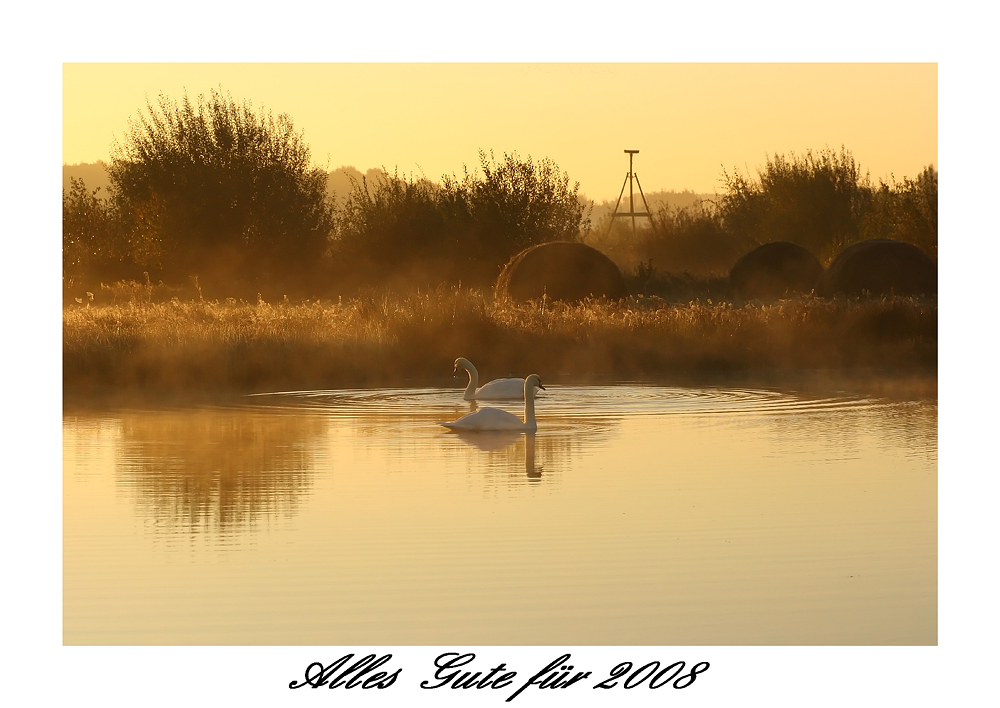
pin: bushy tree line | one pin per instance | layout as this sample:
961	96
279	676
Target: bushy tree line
465	228
214	186
93	237
689	238
217	190
821	201
906	211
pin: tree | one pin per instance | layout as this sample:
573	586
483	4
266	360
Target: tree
515	204
815	201
390	221
465	229
222	188
907	211
96	243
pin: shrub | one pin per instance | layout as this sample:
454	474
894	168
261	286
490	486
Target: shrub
97	242
515	204
464	229
678	239
391	220
694	239
906	211
815	201
216	183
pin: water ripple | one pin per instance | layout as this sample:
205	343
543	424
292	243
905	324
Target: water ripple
566	402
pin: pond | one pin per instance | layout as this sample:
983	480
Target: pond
636	514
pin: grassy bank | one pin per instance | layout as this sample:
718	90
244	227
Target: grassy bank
209	349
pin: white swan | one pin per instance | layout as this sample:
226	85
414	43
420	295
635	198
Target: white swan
494	390
496	419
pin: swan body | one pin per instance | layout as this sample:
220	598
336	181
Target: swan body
494	390
495	419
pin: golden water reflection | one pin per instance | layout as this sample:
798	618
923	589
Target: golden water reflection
217	470
635	515
209	468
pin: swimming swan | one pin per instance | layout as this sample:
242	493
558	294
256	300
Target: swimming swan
496	419
496	389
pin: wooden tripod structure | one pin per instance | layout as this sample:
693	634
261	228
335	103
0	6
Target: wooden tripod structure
631	198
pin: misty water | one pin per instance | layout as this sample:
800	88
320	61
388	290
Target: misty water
636	515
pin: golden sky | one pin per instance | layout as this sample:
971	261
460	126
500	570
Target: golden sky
689	121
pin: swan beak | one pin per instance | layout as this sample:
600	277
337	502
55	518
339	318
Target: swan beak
541	387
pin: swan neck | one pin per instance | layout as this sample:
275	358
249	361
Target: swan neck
470	390
529	409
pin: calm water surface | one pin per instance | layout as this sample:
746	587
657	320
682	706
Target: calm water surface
636	515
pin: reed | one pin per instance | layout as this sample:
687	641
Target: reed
210	348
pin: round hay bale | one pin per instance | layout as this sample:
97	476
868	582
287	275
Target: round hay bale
773	270
560	270
880	267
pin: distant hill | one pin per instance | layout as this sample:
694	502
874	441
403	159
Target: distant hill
339	183
93	174
655	200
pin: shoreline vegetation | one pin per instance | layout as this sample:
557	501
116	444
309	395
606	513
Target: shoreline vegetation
189	351
216	262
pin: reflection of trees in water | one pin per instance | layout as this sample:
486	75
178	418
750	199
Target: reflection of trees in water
218	468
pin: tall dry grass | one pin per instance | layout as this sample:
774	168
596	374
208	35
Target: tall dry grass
201	349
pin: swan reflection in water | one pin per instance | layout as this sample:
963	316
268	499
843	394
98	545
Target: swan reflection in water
492	441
